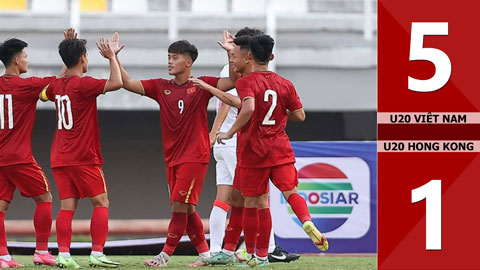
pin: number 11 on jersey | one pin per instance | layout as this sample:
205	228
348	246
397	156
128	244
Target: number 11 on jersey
9	104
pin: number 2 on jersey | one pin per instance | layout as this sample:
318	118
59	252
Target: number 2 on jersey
64	104
267	121
8	99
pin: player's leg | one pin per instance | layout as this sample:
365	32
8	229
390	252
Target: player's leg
264	229
91	183
251	225
285	178
221	205
32	183
6	196
68	205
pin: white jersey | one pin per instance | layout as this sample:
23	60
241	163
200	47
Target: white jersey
231	116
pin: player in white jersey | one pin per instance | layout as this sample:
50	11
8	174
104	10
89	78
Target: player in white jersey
226	158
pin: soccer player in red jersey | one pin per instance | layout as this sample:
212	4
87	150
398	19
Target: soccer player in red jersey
76	158
185	137
268	101
18	167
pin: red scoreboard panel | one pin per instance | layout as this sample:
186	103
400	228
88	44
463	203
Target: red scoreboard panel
428	134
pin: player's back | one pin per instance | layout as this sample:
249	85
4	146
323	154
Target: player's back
265	141
18	101
77	139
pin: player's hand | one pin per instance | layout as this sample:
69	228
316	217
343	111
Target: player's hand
105	48
213	138
199	83
227	43
70	34
223	136
115	43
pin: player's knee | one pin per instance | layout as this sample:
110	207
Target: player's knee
287	193
236	198
251	202
46	197
4	206
100	200
263	202
179	207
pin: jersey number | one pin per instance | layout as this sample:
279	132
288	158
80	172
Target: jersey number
8	99
267	121
432	192
181	106
64	104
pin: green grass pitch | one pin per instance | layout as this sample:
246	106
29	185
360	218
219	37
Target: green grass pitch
180	262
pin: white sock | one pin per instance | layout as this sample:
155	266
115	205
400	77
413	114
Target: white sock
262	258
6	257
97	253
271	244
218	218
41	251
228	252
65	254
205	254
165	256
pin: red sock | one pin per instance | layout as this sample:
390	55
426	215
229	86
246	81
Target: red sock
250	228
64	230
42	220
196	234
264	228
234	228
176	229
3	235
99	228
299	206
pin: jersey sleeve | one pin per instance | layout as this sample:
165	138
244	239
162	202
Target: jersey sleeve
92	87
244	89
152	87
294	100
38	84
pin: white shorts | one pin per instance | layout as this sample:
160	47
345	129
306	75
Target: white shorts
226	158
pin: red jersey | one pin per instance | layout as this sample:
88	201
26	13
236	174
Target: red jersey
18	104
183	114
263	142
77	140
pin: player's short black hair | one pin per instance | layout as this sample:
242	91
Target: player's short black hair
246	31
243	42
71	50
10	48
184	47
261	47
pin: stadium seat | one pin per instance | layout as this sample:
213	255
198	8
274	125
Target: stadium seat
258	7
50	6
129	6
12	5
209	7
93	5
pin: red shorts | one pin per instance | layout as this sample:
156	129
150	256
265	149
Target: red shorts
79	181
237	181
28	178
185	181
255	180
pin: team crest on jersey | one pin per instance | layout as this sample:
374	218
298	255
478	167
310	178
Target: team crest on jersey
167	92
191	90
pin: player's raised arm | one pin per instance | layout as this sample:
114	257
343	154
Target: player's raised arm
226	98
225	84
131	85
248	107
106	50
